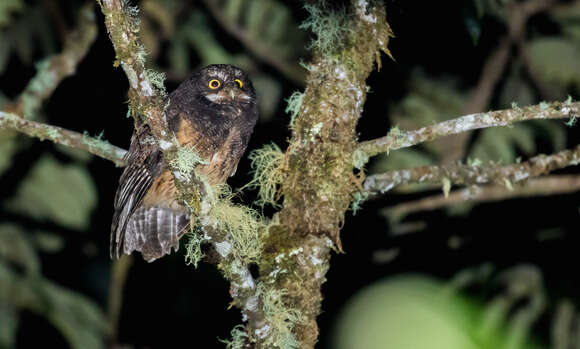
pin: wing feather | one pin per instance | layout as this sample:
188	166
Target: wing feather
136	179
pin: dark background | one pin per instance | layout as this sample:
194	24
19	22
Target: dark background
170	304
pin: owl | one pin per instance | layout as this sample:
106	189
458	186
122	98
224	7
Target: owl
214	111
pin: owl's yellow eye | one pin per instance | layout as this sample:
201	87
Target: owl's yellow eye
239	82
213	84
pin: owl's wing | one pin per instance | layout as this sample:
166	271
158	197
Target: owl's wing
136	179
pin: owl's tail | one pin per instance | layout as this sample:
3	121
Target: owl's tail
154	231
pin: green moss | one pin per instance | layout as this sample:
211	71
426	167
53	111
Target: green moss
96	143
238	340
281	318
267	169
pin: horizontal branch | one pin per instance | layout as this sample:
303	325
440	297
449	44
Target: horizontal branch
470	174
397	139
543	186
63	136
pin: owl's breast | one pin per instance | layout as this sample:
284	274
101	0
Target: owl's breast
215	143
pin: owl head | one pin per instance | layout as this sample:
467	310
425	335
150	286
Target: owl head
222	84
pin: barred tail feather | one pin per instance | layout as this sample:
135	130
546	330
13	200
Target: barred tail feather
154	231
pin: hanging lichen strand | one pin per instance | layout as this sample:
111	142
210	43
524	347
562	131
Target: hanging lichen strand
317	169
320	182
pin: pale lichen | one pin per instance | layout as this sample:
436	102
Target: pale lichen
185	159
157	79
95	143
267	168
193	252
280	317
241	224
358	199
359	159
293	106
328	27
238	340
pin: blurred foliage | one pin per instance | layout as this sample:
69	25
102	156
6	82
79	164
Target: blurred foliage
29	35
545	51
7	9
268	22
60	193
22	287
416	311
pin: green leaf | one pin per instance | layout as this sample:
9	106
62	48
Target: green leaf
429	101
556	60
48	242
7	10
390	313
401	159
8	146
267	22
500	144
569	19
65	194
9	325
16	247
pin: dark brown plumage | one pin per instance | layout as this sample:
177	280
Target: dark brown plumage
214	111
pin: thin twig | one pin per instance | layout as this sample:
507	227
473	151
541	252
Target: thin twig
63	136
543	186
459	174
402	139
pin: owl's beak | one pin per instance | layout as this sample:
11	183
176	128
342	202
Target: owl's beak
233	94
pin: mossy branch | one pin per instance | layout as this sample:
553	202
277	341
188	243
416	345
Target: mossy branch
459	174
404	139
147	96
63	136
317	168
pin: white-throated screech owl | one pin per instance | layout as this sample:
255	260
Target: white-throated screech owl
214	111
